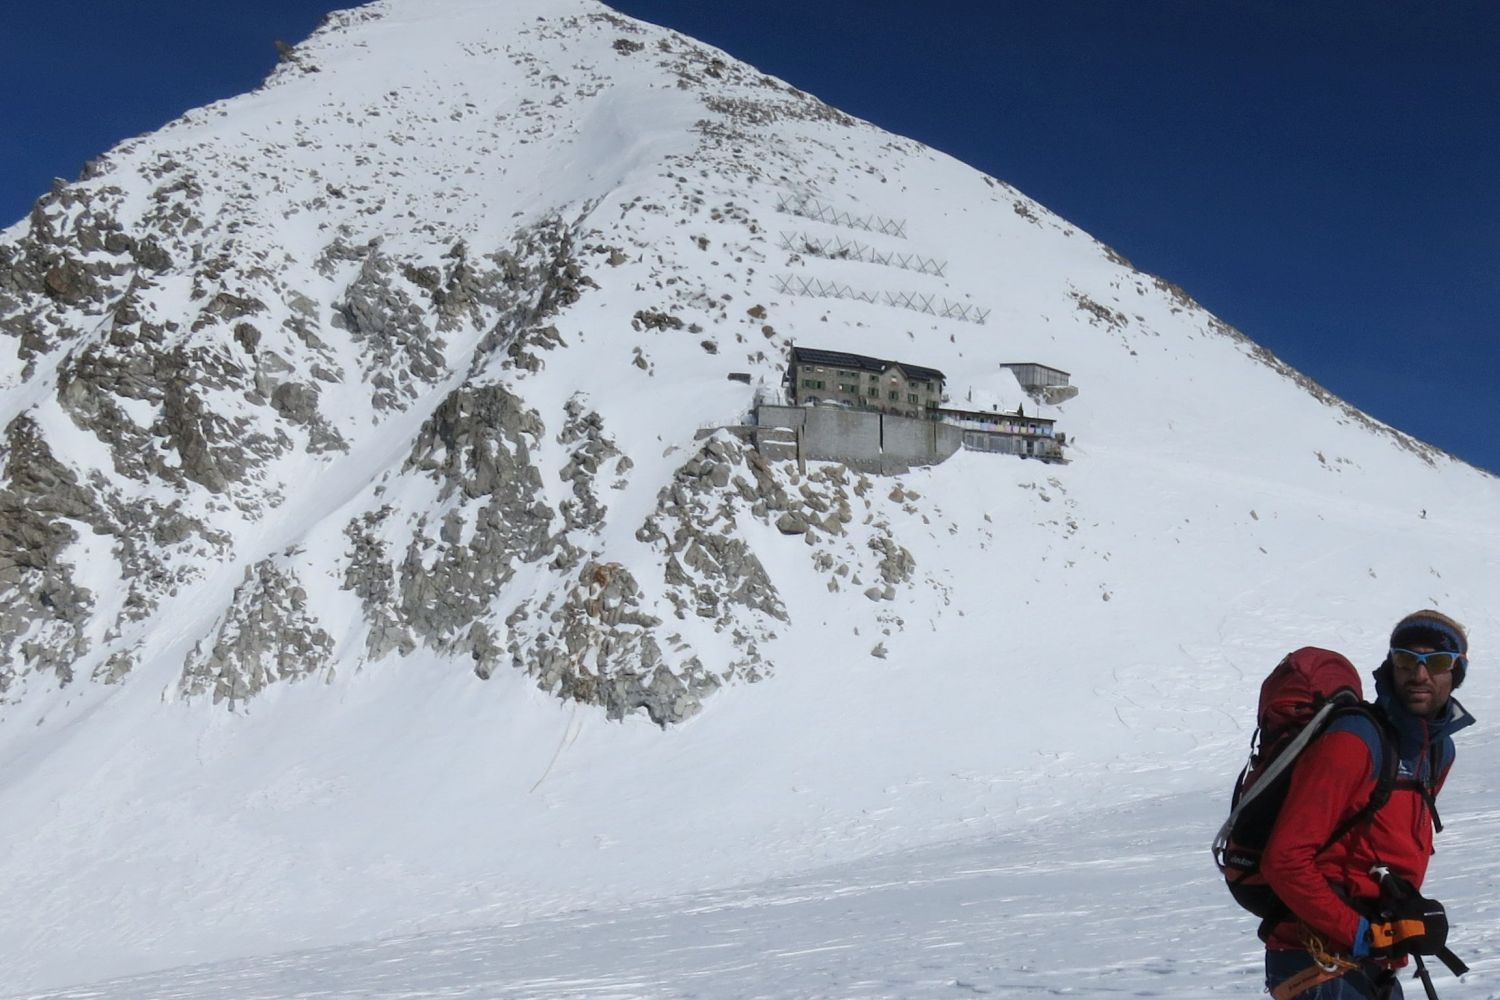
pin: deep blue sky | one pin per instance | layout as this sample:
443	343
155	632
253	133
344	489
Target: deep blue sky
1324	175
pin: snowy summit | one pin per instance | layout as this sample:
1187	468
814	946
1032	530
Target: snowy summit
412	534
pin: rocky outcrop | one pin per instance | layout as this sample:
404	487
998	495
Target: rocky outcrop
372	578
428	574
487	520
43	613
709	570
478	444
600	648
398	353
65	271
541	275
45	509
267	634
191	439
590	449
213	449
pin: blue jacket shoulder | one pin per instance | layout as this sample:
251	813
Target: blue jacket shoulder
1361	725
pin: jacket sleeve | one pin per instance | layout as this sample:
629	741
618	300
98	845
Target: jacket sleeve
1332	780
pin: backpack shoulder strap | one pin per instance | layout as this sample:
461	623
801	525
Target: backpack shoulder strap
1388	760
1426	788
1381	740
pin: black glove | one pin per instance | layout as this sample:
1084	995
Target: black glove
1406	922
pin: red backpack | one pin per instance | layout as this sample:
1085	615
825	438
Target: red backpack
1306	692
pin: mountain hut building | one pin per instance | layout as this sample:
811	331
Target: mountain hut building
1034	376
1007	433
821	383
1043	383
854	381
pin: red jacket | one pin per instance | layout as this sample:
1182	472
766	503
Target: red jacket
1332	780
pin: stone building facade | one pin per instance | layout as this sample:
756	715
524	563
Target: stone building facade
857	382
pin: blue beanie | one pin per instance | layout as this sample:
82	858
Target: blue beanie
1436	631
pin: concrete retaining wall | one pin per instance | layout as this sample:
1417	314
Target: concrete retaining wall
864	439
918	442
835	435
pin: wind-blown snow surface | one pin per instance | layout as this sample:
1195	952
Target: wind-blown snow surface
1016	797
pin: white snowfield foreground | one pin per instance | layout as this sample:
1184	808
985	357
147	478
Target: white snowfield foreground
1116	902
399	413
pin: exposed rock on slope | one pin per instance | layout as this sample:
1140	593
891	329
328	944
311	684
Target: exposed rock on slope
265	636
398	358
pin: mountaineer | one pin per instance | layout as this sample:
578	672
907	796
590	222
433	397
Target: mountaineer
1351	905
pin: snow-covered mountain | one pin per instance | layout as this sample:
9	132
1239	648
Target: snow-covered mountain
378	553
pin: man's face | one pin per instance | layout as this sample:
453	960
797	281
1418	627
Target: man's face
1423	692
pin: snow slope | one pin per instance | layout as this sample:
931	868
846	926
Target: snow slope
1064	677
1120	904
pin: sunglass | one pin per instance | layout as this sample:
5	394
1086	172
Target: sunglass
1436	663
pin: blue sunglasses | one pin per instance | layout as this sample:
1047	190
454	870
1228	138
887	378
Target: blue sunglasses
1436	663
